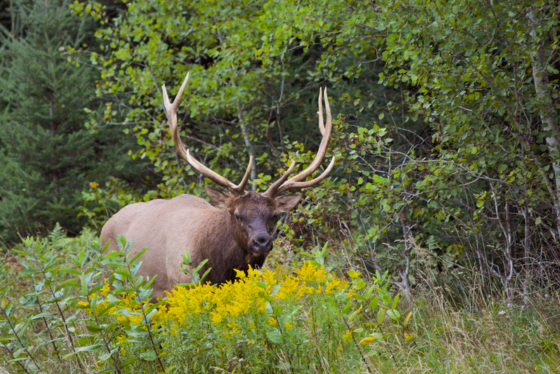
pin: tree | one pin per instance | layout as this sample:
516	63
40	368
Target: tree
47	155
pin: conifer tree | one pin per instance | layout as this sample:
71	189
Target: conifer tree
47	155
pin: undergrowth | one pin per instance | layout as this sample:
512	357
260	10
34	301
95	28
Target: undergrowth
67	306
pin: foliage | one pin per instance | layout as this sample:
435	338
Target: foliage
79	318
47	155
265	320
446	129
483	76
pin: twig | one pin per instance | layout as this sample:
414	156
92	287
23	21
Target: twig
18	339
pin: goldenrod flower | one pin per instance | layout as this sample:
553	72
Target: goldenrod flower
311	273
106	288
234	306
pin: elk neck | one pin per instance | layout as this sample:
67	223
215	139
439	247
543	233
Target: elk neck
225	249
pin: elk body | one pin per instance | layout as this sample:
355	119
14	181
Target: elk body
232	233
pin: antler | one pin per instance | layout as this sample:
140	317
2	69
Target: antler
283	184
171	111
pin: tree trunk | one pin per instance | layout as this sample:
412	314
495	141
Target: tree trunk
540	78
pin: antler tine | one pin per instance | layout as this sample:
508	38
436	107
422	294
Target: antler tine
282	185
240	188
271	192
320	112
324	142
171	111
288	185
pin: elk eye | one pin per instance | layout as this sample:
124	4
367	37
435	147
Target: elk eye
237	216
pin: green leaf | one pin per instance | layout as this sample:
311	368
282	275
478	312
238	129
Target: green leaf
373	303
135	267
94	329
538	221
395	301
137	256
70	283
42	315
274	336
353	274
381	316
89	348
393	314
354	315
148	356
70	271
277	310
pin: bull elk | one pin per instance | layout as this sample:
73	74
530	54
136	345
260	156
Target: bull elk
232	233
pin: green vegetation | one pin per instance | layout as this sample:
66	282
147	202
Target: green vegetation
60	314
47	154
446	189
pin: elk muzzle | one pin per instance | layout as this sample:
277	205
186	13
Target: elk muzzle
261	243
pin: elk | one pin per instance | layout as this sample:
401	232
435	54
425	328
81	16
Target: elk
232	233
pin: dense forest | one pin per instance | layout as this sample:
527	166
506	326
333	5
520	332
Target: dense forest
446	186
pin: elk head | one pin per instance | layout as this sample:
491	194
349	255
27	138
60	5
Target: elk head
252	214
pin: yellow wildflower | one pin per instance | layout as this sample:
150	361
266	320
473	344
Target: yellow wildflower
233	326
106	288
269	277
224	303
240	274
311	273
288	288
228	306
335	283
305	290
216	318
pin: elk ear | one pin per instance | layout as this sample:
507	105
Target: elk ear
218	198
286	203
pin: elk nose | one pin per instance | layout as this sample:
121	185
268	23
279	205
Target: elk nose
262	243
